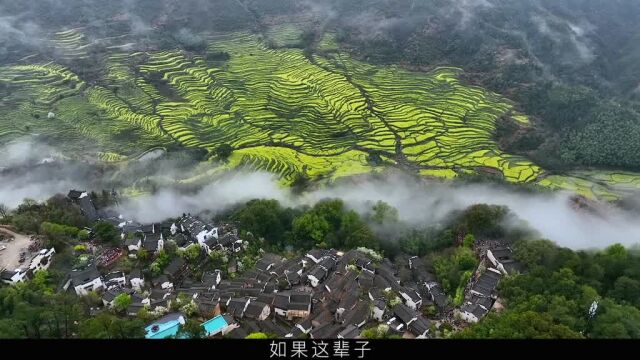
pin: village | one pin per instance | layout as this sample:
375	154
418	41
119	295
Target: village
320	294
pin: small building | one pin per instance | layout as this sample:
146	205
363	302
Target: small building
471	313
236	307
357	316
420	327
175	269
350	332
165	327
115	280
84	202
162	282
327	331
219	325
487	283
41	261
133	245
136	279
153	243
379	309
257	311
411	298
85	281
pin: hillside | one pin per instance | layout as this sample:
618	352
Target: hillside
322	90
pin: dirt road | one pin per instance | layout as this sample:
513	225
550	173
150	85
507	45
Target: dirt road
9	257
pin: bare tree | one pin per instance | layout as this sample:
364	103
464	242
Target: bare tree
4	210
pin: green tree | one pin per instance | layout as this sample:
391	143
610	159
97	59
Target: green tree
191	330
309	229
121	302
384	213
224	151
265	218
627	290
83	235
106	232
353	232
468	241
192	253
483	220
516	325
257	335
613	321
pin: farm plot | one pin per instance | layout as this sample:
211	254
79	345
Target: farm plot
280	109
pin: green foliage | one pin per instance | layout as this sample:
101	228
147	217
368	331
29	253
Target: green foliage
384	213
224	151
122	302
142	255
57	235
160	263
309	229
83	235
615	321
57	231
378	332
468	241
107	233
33	310
330	223
421	241
516	325
560	286
191	253
219	260
29	215
483	220
257	335
626	289
191	330
81	247
266	219
609	139
455	269
107	326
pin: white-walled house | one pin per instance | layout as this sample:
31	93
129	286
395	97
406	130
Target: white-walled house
133	245
85	281
41	261
379	308
257	310
153	243
136	279
471	313
411	298
115	279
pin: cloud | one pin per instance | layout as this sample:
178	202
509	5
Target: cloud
32	170
575	35
16	29
236	187
418	203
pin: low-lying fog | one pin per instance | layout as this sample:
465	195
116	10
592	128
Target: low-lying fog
418	202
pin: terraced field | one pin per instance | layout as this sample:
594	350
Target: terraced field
280	109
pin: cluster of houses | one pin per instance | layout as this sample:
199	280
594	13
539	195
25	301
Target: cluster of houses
497	261
40	261
322	294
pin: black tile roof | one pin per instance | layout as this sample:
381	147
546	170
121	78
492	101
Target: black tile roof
174	267
328	331
357	315
404	313
84	276
254	310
